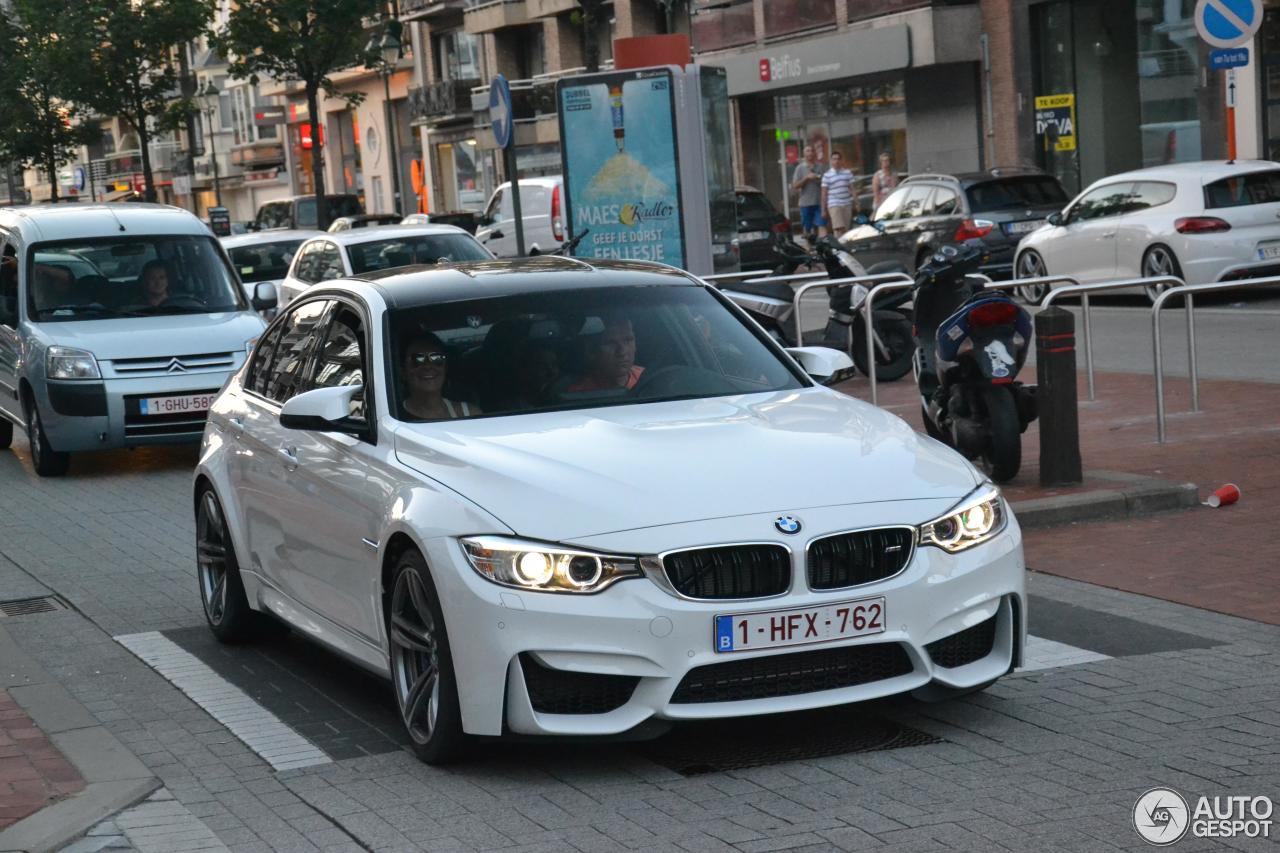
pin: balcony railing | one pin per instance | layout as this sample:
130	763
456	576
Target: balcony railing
861	10
717	24
486	16
531	100
783	17
440	100
422	10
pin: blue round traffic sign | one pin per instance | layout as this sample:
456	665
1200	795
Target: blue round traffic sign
1228	23
77	178
500	111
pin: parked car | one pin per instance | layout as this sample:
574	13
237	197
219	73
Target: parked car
543	562
759	223
366	250
541	208
364	220
118	325
927	212
265	256
299	212
1202	222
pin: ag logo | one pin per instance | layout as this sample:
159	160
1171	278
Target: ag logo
1161	816
788	524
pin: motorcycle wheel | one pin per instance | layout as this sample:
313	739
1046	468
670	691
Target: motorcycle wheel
1003	456
896	336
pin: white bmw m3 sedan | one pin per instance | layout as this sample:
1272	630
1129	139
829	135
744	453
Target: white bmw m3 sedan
548	497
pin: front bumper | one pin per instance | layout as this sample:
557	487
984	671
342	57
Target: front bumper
97	415
547	664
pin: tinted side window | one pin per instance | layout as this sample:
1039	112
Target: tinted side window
495	209
1147	194
341	358
915	203
274	215
305	213
1104	201
297	341
945	203
1258	188
329	263
260	361
306	269
890	206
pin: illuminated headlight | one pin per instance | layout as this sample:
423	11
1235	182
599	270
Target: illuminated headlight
541	567
70	363
973	521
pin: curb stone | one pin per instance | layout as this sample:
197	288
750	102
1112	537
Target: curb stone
1133	496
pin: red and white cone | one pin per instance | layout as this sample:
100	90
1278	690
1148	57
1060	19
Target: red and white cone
1225	496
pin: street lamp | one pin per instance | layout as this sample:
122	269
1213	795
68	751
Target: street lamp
389	47
209	98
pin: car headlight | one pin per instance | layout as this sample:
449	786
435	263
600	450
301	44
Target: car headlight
973	521
540	567
70	363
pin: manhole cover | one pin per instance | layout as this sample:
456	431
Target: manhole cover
712	747
27	606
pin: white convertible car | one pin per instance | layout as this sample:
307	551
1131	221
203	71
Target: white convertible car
556	498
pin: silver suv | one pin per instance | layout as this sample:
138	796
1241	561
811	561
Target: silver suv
118	326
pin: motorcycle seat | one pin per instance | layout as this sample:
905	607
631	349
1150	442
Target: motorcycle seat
886	267
770	290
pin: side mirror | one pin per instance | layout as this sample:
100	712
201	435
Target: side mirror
824	365
323	410
264	296
1055	219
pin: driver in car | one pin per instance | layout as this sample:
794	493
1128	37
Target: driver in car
155	283
611	358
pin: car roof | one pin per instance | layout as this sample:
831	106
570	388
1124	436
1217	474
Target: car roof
282	235
89	221
1200	171
544	181
417	286
386	232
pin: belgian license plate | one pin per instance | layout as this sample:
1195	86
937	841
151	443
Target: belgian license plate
751	236
1023	227
1267	253
178	405
840	620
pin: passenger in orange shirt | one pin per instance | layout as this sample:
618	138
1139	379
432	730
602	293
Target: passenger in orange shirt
611	359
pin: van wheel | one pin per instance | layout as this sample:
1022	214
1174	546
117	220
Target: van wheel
6	434
47	461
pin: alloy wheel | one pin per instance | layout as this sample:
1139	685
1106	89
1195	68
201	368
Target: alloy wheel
1158	262
1031	265
415	662
211	557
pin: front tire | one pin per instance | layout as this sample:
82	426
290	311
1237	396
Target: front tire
1003	454
46	461
1031	265
895	334
226	608
422	664
1159	260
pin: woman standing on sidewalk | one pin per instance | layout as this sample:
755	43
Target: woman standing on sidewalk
885	179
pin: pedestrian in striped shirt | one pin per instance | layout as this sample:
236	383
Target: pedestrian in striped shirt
838	201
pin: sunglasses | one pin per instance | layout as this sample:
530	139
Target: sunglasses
417	359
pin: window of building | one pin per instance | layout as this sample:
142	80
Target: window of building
459	55
718	24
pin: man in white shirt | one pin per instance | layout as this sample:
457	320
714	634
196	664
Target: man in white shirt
838	201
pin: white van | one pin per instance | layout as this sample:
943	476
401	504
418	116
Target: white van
119	324
543	211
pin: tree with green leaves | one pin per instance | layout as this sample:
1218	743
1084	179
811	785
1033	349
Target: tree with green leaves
136	74
42	52
303	41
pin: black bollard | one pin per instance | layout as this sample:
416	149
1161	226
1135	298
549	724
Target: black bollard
1056	398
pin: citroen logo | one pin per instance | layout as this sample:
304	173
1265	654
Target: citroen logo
175	366
787	524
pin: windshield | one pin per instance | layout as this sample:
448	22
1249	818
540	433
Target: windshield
576	349
1009	193
264	261
129	277
405	251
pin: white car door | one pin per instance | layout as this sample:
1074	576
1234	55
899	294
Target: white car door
10	346
1084	245
498	234
1146	221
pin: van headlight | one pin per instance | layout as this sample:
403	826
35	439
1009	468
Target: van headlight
974	520
540	567
70	363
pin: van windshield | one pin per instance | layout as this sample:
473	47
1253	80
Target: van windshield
264	261
102	278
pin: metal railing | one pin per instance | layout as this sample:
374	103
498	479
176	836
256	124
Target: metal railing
892	282
1188	291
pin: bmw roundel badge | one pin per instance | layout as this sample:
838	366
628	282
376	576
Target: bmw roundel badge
788	524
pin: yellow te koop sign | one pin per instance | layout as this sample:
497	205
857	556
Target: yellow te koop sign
1056	121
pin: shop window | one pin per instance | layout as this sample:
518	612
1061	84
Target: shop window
792	16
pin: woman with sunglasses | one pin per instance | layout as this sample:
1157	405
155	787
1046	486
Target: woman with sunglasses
426	365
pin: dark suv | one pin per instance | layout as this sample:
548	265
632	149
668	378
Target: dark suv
926	212
299	212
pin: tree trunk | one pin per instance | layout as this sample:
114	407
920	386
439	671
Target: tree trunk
149	193
188	83
590	44
51	169
317	156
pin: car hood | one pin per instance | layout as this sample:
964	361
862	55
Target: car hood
562	476
164	335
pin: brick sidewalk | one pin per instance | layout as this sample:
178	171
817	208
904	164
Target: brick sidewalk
1222	560
33	773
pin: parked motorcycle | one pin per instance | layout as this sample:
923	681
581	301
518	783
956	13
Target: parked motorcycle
772	304
971	345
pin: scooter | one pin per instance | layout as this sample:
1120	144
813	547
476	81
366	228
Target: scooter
772	304
971	345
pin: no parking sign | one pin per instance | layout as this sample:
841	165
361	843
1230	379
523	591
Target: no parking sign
1228	23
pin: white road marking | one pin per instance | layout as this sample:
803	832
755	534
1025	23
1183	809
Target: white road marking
158	824
1047	654
261	730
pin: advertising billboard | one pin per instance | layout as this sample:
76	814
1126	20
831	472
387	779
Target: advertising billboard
622	175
